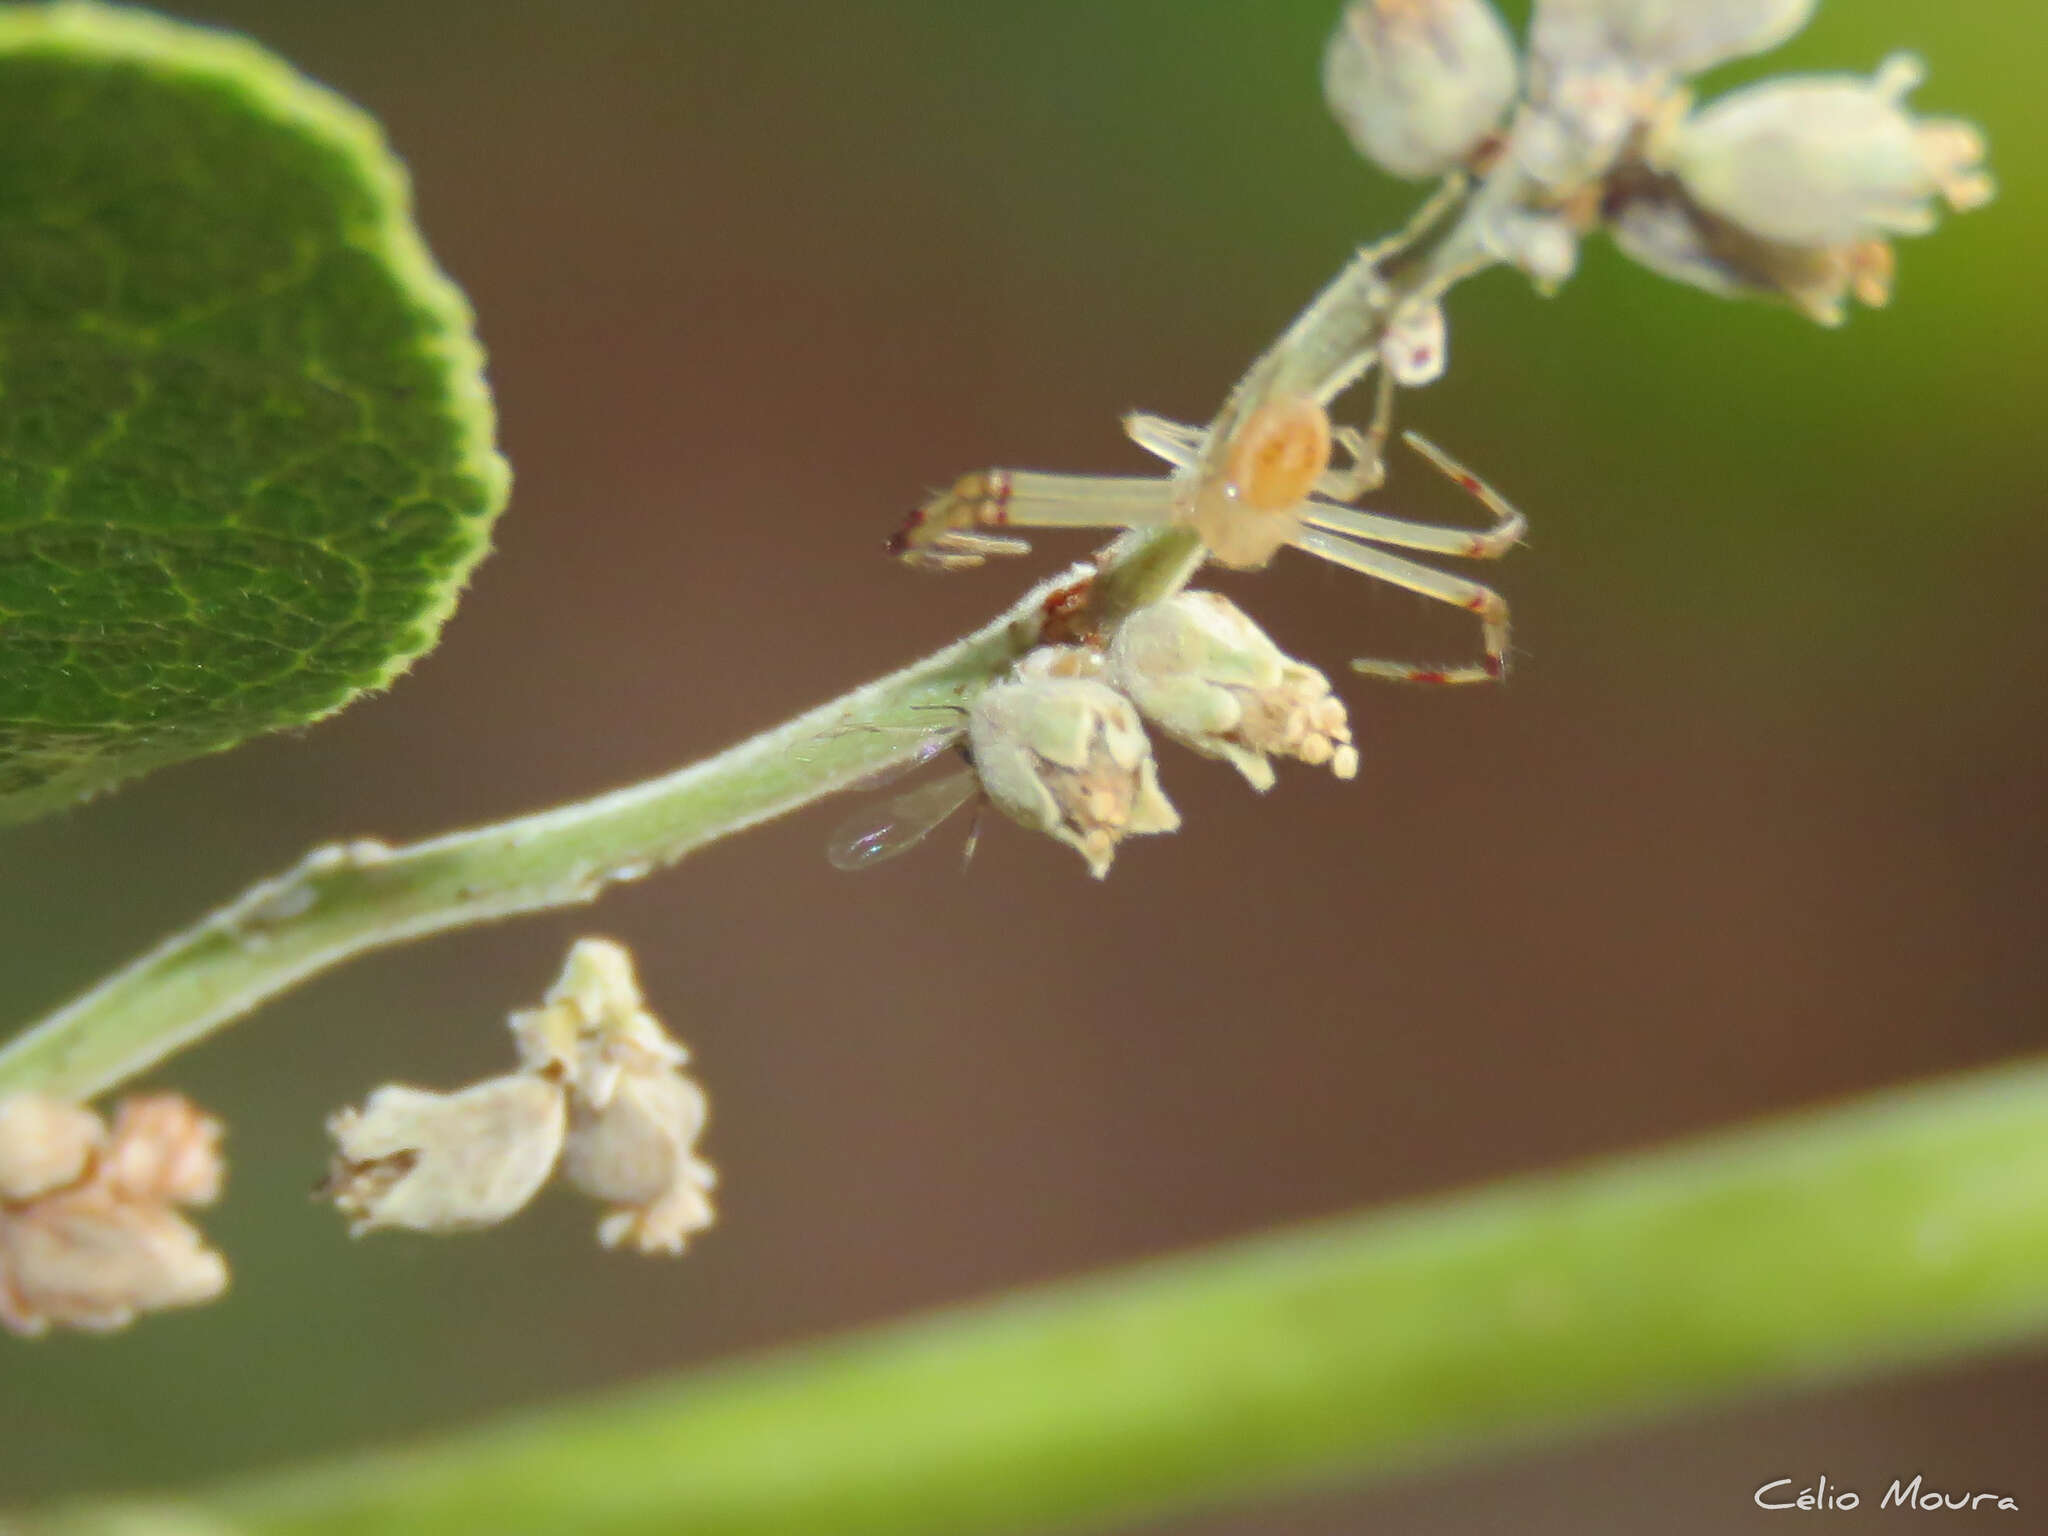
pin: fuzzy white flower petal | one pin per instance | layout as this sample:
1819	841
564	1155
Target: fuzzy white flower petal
1681	36
1827	160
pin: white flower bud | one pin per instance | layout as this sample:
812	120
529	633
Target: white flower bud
1066	756
1826	161
87	1258
445	1162
1212	679
1418	84
1680	36
44	1144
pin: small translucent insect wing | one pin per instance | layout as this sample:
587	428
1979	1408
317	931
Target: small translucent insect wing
900	823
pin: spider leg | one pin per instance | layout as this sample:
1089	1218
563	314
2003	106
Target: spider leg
1367	470
1473	544
1179	445
951	530
1469	595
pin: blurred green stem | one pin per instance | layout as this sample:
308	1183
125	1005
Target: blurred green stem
1907	1227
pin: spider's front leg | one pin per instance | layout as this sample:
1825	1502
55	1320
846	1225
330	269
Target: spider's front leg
954	529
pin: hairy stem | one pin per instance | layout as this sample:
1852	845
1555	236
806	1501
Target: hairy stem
345	900
1908	1227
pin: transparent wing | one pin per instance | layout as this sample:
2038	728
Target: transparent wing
899	823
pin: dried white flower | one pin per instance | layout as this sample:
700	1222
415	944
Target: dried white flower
634	1118
88	1235
1681	36
44	1144
1209	677
594	1025
87	1258
1826	160
1066	756
637	1154
1418	84
445	1162
163	1148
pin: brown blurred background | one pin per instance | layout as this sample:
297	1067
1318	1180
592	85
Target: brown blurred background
1757	823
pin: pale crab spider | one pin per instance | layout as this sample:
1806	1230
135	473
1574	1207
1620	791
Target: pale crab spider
1273	487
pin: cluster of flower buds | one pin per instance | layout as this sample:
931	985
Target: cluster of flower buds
1059	746
1791	188
90	1234
599	1093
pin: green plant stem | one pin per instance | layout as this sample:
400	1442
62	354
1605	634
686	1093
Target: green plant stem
1907	1227
342	901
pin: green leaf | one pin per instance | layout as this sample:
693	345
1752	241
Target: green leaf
246	448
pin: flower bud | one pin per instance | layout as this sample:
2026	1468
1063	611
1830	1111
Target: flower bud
1066	756
1680	36
44	1144
1212	679
445	1162
1418	84
87	1258
1826	160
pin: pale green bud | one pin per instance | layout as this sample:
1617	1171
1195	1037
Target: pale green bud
1826	160
1209	677
1066	756
1417	85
